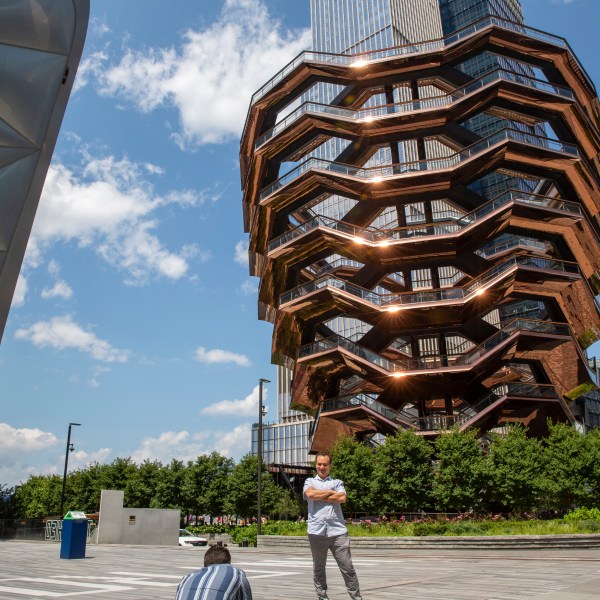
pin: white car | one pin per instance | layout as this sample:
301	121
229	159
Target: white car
188	539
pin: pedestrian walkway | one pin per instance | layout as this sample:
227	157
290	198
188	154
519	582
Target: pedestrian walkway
34	570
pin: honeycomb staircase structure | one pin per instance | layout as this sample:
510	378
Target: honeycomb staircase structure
423	299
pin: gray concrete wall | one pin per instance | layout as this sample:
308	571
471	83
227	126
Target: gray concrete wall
111	516
138	526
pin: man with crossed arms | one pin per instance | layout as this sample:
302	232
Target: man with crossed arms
327	528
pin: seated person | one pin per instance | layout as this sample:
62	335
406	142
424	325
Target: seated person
217	581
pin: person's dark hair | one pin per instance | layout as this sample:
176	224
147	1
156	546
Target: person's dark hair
217	555
327	454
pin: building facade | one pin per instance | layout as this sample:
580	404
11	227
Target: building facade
427	237
40	49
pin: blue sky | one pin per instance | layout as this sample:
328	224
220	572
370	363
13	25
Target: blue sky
135	314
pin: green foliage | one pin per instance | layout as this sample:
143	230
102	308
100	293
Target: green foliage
247	533
461	476
141	486
242	489
584	388
39	496
287	506
205	484
403	473
563	481
8	506
353	463
430	528
589	526
583	514
591	469
513	463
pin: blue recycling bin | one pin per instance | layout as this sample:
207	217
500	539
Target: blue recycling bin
74	535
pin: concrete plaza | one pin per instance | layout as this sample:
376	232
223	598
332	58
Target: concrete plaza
34	570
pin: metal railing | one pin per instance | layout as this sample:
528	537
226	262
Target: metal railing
379	173
444	422
435	362
371	235
432	103
360	60
448	295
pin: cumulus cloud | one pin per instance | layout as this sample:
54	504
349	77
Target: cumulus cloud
20	292
241	253
216	356
247	407
183	445
63	333
172	444
234	443
249	287
24	441
61	289
109	205
210	78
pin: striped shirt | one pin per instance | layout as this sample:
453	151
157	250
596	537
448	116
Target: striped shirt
216	582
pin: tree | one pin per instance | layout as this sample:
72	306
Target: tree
354	464
7	502
39	496
170	487
403	473
115	475
563	482
205	484
242	489
84	487
514	463
460	476
142	485
591	469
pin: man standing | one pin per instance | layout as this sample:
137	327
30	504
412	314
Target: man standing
326	528
217	581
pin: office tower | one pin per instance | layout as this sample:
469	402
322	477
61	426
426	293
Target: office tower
407	294
285	440
40	48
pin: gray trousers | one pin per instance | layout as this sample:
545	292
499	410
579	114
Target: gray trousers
340	548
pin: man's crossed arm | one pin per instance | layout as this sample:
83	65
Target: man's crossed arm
325	495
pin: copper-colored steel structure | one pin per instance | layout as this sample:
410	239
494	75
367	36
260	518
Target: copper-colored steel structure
532	248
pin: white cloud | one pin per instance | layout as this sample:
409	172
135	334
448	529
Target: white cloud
183	445
20	292
61	289
247	407
172	444
209	80
98	371
216	356
109	206
23	441
241	253
234	443
249	287
63	333
53	268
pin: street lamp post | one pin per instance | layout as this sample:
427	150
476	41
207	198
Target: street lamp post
261	413
64	482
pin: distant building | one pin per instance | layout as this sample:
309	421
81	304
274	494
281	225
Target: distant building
40	49
285	441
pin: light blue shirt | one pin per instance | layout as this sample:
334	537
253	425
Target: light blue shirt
325	518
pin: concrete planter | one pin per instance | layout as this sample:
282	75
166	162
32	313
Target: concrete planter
508	542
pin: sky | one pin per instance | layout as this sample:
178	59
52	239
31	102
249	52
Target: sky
134	314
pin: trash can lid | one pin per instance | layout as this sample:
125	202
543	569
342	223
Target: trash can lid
75	514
